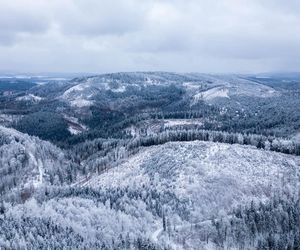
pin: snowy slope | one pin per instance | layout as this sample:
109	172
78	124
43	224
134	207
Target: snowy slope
211	94
211	176
74	126
27	161
29	98
204	169
207	179
224	86
93	221
82	94
83	91
187	183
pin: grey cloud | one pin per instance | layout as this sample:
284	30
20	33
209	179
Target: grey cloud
291	6
96	18
17	19
22	22
120	35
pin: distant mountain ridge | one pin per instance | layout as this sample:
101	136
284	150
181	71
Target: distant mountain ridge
84	90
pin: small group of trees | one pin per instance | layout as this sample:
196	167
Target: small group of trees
270	225
259	141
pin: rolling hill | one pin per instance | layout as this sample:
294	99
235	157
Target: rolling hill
161	194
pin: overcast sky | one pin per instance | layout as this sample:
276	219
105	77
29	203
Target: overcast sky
132	35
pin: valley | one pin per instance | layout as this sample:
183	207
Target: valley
150	160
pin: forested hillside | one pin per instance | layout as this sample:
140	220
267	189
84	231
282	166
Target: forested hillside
150	160
109	105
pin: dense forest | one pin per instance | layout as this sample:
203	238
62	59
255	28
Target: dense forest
150	160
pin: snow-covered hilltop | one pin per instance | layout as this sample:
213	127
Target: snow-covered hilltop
160	194
84	91
213	177
186	166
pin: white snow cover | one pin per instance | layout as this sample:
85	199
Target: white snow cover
212	94
76	95
74	89
81	95
204	178
297	137
88	218
226	86
73	131
74	126
201	87
181	122
211	175
32	158
40	165
30	97
6	119
79	103
210	178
